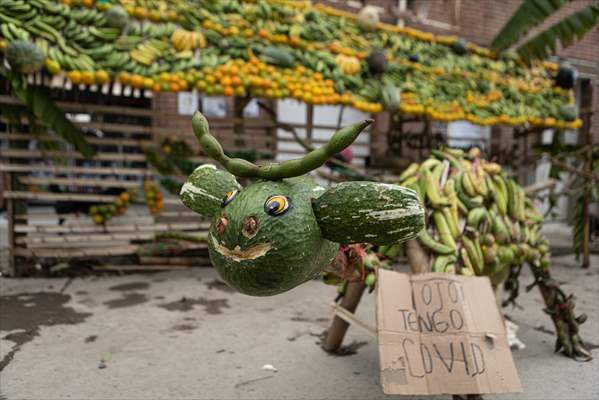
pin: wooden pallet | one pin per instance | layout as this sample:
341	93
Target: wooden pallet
32	166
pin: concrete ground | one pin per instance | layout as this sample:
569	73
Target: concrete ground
184	335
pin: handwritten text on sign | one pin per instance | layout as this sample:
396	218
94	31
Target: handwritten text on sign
441	333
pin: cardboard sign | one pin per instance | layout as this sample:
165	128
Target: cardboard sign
442	334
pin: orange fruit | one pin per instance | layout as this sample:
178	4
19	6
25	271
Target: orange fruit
102	77
137	81
154	16
87	77
124	78
140	13
225	81
228	91
74	77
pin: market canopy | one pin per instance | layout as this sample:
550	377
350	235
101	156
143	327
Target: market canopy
279	49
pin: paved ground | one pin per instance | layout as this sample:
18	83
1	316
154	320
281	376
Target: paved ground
182	334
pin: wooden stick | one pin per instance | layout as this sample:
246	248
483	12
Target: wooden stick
350	301
350	318
579	172
417	257
540	186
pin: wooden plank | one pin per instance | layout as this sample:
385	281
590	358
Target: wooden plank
91	198
57	241
73	155
132	215
76	252
192	260
26	137
92	228
76	170
141	268
89	108
29	180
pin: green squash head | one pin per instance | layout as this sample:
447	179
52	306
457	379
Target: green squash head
283	230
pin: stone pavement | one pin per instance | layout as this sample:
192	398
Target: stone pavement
184	335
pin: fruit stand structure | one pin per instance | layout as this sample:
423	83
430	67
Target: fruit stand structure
276	49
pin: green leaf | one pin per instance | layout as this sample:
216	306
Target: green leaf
530	14
37	100
572	27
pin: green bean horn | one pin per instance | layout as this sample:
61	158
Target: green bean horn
274	171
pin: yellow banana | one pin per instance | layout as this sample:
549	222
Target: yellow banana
467	268
443	229
467	184
430	187
473	255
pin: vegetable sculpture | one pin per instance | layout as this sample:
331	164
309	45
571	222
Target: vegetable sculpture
284	229
480	222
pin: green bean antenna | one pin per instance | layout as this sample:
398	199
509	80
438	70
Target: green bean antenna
275	171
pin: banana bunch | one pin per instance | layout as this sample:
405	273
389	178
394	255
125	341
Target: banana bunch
349	65
480	221
146	52
184	40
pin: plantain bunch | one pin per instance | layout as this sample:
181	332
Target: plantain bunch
480	222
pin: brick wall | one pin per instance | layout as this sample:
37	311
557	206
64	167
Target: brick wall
259	133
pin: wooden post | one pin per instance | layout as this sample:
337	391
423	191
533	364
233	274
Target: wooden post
417	257
309	123
10	215
350	301
586	236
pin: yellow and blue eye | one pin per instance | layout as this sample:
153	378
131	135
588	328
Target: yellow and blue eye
229	197
277	205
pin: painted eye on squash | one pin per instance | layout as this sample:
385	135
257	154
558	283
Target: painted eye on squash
229	197
277	205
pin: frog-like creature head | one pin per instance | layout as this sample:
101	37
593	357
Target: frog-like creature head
277	233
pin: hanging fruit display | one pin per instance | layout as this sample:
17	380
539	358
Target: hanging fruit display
280	49
102	213
154	198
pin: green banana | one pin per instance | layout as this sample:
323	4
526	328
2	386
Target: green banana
467	268
432	244
442	262
467	184
443	229
430	187
473	254
476	216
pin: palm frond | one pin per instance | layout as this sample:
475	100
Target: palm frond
574	26
530	14
38	102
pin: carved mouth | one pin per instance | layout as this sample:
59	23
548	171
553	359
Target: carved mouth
237	254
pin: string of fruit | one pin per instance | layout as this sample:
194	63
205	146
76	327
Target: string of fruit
102	213
154	198
158	46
